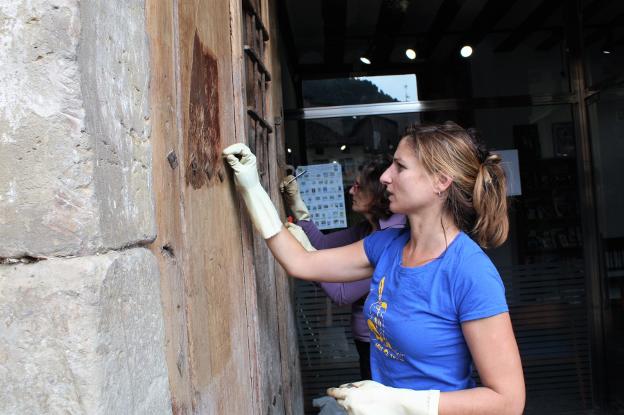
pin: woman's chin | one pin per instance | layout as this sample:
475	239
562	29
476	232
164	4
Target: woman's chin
394	208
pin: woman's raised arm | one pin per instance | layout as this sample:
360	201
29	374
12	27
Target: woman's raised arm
343	264
348	263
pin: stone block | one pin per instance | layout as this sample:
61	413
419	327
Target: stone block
75	152
83	336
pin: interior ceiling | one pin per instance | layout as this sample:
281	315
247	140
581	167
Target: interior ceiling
329	36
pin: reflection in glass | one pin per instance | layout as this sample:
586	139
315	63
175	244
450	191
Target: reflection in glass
359	90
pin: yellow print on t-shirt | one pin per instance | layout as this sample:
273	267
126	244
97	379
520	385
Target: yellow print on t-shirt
376	326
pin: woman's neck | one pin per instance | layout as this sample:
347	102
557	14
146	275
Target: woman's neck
430	234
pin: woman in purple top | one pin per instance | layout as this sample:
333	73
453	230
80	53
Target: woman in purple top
368	198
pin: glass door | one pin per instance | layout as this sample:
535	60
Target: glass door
541	263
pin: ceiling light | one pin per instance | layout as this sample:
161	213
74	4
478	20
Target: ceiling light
289	150
365	60
606	51
343	147
465	51
410	53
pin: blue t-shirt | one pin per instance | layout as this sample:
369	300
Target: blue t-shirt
415	314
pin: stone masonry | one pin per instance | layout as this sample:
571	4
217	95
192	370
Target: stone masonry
83	336
81	325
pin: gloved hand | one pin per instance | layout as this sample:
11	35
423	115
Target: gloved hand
293	199
371	398
259	205
300	235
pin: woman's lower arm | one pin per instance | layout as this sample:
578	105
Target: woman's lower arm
343	264
481	401
289	253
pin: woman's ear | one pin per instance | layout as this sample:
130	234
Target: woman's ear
442	182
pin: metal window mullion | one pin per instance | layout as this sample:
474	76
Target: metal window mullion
310	113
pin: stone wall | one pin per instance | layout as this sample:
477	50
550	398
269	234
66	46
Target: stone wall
81	328
74	127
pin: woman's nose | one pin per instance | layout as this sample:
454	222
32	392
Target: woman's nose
385	177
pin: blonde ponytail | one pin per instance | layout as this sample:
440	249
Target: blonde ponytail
489	199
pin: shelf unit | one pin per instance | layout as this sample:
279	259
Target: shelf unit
548	211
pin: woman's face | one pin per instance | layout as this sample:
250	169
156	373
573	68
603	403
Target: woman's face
361	198
409	186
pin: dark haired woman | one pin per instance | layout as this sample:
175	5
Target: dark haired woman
368	198
437	304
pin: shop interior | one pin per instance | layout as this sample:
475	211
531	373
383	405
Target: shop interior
541	82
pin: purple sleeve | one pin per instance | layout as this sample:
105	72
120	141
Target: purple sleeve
319	240
343	293
340	293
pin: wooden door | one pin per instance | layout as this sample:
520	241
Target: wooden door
230	349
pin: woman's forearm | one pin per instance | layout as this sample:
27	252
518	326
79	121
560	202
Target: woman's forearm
481	401
319	240
343	264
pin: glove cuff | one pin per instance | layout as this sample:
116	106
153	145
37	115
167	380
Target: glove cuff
419	402
299	209
261	211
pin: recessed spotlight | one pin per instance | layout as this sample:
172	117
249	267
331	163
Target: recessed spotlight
365	60
410	53
289	150
343	147
606	51
466	51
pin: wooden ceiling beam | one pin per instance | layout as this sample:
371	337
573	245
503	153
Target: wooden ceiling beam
603	33
490	15
444	17
531	24
555	37
334	14
389	24
594	8
589	11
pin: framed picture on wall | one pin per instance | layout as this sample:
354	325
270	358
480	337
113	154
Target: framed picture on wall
563	139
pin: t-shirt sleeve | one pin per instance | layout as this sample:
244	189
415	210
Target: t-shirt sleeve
376	242
479	290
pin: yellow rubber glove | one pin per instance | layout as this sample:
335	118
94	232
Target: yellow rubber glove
300	235
371	398
293	199
259	205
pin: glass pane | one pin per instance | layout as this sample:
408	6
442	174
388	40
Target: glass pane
530	68
606	117
545	218
359	90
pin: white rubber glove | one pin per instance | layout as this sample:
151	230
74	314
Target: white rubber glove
259	205
371	398
293	199
300	235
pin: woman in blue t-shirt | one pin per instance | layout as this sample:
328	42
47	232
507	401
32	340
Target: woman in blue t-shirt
436	304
